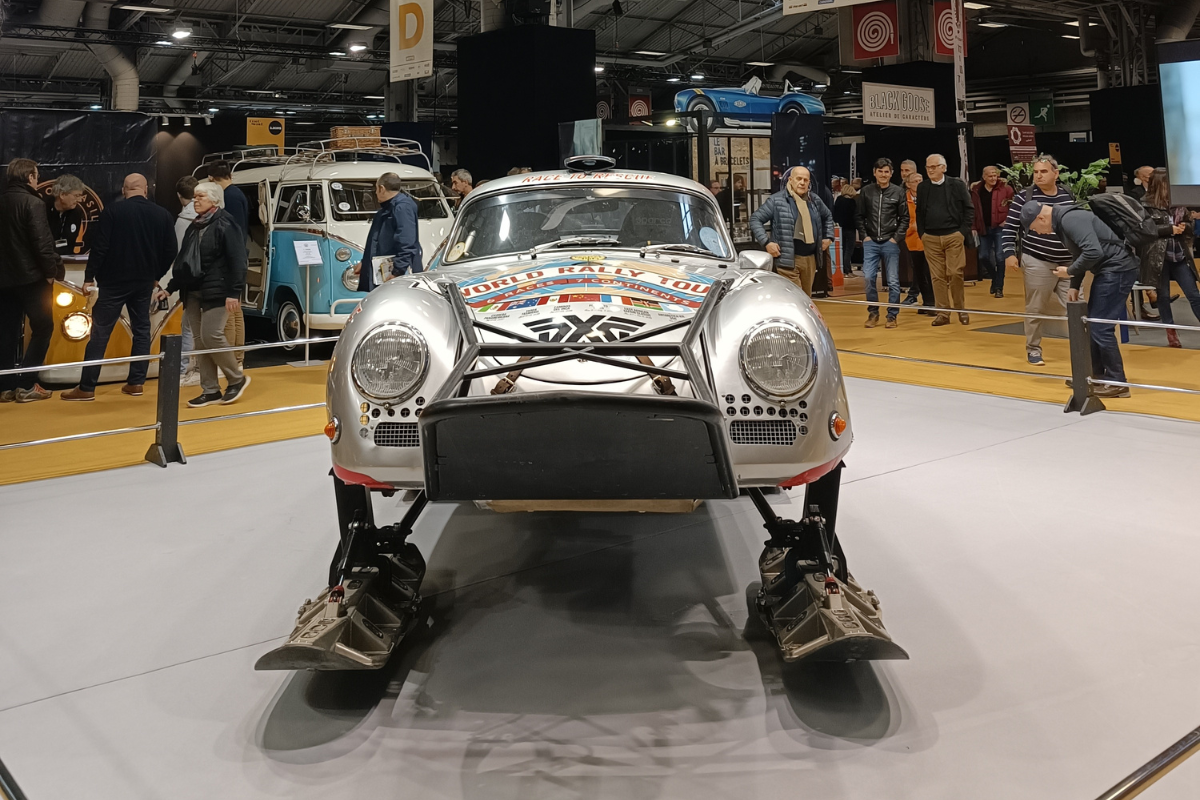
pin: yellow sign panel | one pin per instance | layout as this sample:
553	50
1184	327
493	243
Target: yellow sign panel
265	131
1114	152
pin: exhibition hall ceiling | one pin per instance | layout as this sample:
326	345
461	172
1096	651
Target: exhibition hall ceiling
284	55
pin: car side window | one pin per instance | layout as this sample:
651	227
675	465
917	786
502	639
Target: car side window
300	203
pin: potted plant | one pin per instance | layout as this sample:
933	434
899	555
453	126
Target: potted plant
1082	184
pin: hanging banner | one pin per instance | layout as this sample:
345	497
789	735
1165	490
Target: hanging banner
905	106
265	131
639	103
876	31
412	39
1022	146
943	25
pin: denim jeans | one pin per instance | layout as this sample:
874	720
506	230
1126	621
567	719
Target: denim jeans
33	300
1181	273
991	258
889	253
1107	301
105	314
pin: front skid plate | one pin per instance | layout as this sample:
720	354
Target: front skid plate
362	630
811	623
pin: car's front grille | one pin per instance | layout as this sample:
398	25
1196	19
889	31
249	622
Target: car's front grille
399	434
762	431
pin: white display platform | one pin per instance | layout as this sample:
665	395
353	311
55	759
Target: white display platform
1039	568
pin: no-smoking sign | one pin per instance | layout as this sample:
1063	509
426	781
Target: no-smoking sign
1018	114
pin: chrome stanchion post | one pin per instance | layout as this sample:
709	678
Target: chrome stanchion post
166	448
1082	399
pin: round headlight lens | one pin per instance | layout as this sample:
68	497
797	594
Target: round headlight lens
64	299
390	362
778	359
342	254
76	326
349	279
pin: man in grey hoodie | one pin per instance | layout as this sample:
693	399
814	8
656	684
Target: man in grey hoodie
1096	248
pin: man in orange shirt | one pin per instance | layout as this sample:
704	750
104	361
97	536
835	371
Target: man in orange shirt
921	282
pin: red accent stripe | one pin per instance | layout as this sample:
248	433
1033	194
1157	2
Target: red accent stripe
358	479
811	475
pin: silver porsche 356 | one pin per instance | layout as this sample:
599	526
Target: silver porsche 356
586	340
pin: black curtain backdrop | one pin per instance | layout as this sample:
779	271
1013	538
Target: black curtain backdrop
514	87
99	147
1131	116
798	140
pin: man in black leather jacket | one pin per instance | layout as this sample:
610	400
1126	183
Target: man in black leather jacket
29	266
882	219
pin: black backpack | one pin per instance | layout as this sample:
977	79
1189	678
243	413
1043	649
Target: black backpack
1127	218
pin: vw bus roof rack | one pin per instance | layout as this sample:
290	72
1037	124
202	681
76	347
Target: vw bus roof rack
258	155
350	148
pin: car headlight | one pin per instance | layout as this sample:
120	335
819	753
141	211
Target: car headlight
76	326
778	359
349	279
390	362
342	254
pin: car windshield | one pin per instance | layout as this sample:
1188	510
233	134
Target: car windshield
606	216
355	200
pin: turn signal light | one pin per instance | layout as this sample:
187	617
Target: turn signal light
333	430
837	425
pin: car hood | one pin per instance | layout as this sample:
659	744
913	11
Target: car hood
585	298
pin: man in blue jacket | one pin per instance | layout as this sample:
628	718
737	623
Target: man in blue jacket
801	227
393	233
1096	249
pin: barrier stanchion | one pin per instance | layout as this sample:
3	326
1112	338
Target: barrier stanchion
166	448
8	786
1082	399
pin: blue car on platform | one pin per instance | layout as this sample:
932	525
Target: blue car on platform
744	107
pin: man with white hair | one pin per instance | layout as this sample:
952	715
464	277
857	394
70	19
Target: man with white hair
907	167
944	217
134	247
461	184
1140	176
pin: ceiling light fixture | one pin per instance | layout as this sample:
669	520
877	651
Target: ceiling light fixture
96	107
337	52
374	97
146	9
599	68
993	24
187	122
349	26
976	6
650	52
181	33
820	86
357	47
698	77
259	91
213	110
672	80
760	63
164	42
1069	36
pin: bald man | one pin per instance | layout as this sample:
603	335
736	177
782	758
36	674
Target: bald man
134	247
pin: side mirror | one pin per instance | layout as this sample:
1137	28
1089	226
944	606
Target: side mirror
755	259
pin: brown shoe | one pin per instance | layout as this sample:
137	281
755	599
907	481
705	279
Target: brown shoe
965	319
872	321
133	389
940	320
891	323
77	394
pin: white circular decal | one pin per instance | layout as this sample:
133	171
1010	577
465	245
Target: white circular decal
710	239
945	28
337	187
456	252
343	206
875	31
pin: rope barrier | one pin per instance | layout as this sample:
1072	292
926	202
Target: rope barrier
955	364
95	362
1151	386
938	309
1137	323
264	413
77	436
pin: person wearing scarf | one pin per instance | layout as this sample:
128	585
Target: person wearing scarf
801	227
209	274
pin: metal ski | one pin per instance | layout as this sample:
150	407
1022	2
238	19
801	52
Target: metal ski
809	601
373	598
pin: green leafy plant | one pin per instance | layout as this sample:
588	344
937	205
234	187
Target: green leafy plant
1081	184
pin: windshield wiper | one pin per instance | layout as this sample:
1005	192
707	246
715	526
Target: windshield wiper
574	240
680	246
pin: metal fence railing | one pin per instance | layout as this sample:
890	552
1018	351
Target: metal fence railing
1081	381
1148	774
166	448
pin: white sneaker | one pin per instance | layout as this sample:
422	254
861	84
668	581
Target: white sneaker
190	378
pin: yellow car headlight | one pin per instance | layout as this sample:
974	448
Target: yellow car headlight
63	299
77	326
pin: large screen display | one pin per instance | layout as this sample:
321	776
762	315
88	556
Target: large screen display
1179	77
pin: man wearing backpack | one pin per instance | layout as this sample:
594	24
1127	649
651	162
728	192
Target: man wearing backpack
1045	292
1095	248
